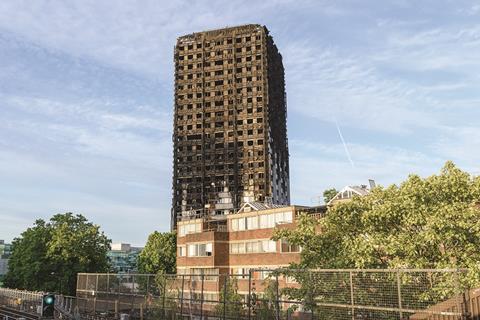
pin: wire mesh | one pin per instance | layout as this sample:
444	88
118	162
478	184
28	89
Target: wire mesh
283	294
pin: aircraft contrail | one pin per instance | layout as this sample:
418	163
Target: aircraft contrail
344	144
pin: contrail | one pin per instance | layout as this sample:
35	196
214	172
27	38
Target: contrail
344	144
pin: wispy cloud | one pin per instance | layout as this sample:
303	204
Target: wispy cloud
86	98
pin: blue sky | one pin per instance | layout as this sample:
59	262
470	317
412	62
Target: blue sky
86	99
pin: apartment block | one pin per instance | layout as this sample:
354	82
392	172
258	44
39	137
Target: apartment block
239	245
230	135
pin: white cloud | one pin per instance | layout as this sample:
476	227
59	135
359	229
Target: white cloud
79	131
325	84
316	167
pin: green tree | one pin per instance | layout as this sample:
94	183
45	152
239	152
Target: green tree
267	304
159	254
233	300
329	194
423	223
48	256
431	222
166	305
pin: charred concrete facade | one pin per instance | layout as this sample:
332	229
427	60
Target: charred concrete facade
230	135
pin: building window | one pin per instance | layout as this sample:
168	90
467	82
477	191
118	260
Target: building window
185	229
240	273
262	275
200	250
209	274
287	247
258	246
182	251
261	222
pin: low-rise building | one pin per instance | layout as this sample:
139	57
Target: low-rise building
348	192
239	244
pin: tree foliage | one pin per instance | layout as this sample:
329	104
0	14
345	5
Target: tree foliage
48	256
329	194
229	295
159	254
431	222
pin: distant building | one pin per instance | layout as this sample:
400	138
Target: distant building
348	192
230	134
5	251
123	257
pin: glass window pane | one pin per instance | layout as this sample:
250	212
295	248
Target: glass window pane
252	223
288	216
241	224
234	224
191	250
271	220
264	221
241	248
279	217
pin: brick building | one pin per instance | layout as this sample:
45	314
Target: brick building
238	243
230	136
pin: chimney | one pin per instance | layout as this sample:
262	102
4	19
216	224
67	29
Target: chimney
372	183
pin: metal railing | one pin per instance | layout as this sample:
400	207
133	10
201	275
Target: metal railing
21	300
283	294
27	304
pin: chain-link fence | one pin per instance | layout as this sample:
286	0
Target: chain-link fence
282	294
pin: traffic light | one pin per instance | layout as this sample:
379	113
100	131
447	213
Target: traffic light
48	305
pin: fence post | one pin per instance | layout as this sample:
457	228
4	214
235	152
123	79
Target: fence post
181	296
96	284
277	297
467	301
147	295
312	299
464	313
163	297
225	298
249	294
201	296
108	284
133	292
399	293
352	301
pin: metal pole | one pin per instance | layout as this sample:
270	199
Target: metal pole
148	285
277	297
225	298
181	296
133	292
399	291
96	285
311	294
201	297
163	299
457	293
352	301
133	285
249	294
108	284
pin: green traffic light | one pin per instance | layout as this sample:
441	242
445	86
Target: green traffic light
49	300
